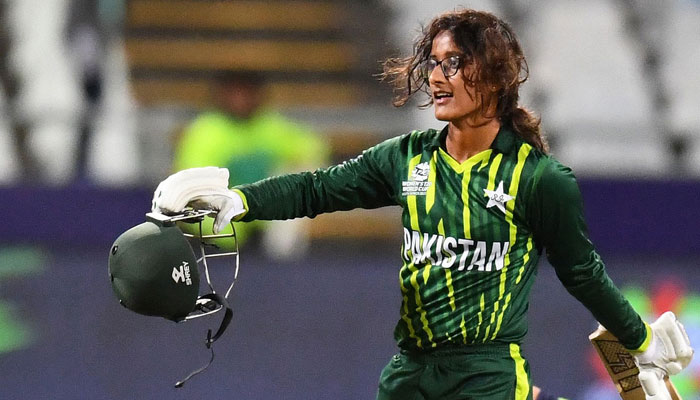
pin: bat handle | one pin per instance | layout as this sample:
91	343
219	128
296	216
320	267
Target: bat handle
672	390
655	386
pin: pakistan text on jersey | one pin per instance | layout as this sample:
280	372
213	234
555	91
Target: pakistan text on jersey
449	252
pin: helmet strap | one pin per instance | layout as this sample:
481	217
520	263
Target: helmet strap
228	315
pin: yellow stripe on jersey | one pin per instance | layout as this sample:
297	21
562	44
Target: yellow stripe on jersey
521	270
463	326
522	381
429	202
404	313
448	273
411	199
491	185
493	169
466	164
523	153
500	316
421	309
492	319
465	169
484	163
413	214
430	194
480	315
526	259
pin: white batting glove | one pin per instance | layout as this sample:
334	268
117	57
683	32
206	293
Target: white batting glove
668	353
204	188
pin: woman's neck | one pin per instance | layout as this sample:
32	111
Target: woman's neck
465	138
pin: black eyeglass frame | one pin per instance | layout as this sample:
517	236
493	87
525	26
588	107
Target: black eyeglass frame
430	64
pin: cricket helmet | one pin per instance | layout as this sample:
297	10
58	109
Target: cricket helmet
154	271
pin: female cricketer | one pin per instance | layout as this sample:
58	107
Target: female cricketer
482	200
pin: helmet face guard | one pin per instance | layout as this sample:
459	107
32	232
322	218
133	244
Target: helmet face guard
154	271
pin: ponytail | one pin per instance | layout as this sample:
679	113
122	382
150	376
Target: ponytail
527	126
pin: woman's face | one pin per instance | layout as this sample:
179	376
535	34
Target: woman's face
454	100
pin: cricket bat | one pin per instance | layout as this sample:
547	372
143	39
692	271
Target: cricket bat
620	365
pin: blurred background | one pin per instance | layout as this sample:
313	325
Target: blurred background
100	100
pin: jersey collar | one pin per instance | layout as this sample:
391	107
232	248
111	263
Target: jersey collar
503	143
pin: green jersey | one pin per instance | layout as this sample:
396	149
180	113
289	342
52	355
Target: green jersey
472	231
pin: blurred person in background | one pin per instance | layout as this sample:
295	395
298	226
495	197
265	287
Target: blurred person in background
44	100
64	97
482	200
253	142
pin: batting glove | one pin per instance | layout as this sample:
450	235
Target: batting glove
203	188
668	353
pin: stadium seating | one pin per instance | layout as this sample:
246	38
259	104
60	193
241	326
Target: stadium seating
305	47
597	111
48	99
681	71
9	170
253	15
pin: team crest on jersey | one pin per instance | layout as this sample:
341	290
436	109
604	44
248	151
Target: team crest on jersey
498	197
417	184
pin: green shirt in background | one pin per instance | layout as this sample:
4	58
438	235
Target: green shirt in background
473	234
264	145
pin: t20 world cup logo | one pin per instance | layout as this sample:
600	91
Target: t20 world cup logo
420	172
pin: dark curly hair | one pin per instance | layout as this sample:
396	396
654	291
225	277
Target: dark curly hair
492	47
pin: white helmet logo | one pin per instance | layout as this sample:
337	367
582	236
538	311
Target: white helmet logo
182	274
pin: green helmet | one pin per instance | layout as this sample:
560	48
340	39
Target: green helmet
154	271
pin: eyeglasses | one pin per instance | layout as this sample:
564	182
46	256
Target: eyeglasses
449	66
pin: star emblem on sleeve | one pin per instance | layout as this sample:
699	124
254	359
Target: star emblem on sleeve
497	197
